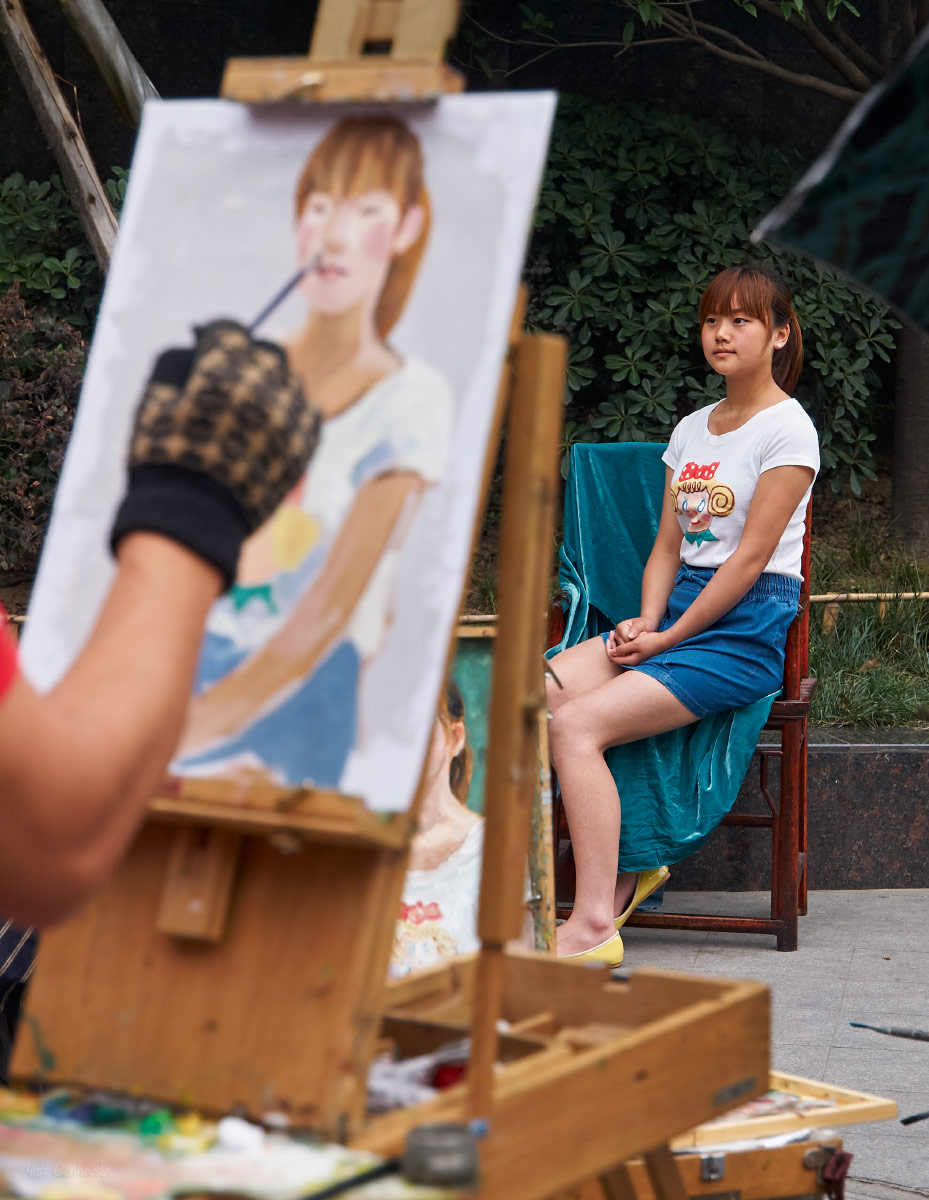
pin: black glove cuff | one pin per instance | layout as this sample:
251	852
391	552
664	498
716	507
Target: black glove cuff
188	506
173	366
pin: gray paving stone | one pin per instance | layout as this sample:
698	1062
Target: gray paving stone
690	938
680	958
870	1189
882	1158
863	956
808	996
794	1059
881	1070
905	934
818	932
802	1026
885	996
861	899
832	964
692	902
891	964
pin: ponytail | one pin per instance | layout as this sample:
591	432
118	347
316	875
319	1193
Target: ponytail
786	363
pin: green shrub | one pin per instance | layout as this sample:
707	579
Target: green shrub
42	361
638	210
44	250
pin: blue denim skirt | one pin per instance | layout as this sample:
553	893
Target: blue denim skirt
740	658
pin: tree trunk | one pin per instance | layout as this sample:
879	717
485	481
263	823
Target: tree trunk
910	500
120	69
80	175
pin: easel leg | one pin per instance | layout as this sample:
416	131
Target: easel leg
617	1184
665	1177
489	990
541	852
512	755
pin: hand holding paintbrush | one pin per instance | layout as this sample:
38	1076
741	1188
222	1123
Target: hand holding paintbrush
222	433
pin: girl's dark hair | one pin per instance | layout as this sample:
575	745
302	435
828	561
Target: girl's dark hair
459	771
762	293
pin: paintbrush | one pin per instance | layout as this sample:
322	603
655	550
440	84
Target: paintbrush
547	670
284	292
917	1035
390	1166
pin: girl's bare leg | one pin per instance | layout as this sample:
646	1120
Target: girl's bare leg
579	669
622	707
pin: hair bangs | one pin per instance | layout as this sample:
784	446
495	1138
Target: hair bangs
741	289
365	154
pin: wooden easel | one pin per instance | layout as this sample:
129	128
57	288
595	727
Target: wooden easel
165	935
409	36
595	1071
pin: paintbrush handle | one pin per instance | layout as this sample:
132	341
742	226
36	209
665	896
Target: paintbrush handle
390	1166
916	1035
285	291
277	298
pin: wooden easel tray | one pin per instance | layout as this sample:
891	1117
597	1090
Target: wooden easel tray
844	1107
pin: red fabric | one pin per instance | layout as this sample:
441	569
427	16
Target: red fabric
8	659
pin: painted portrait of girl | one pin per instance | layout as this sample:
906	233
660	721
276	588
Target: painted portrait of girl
381	247
277	686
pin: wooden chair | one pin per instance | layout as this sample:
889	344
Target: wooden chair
786	815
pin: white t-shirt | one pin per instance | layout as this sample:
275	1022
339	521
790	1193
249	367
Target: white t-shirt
714	476
438	913
402	423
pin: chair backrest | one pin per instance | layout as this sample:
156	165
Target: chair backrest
613	499
797	654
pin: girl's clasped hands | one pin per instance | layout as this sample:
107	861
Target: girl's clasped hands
633	641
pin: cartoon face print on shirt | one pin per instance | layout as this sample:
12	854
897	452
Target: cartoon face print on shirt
699	497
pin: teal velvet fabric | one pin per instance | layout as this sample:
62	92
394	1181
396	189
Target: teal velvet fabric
674	787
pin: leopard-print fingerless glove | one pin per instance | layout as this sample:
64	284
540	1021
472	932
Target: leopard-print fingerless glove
222	433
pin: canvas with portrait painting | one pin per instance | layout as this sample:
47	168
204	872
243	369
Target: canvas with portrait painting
398	237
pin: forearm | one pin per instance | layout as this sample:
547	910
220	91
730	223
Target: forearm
79	763
658	581
139	663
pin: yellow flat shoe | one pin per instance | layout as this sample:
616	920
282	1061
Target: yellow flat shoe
647	882
609	952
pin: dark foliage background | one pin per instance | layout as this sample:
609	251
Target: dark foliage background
639	209
43	361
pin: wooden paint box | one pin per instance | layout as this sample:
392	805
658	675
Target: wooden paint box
608	1068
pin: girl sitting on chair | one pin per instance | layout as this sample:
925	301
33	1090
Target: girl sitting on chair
716	602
